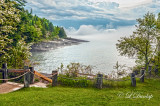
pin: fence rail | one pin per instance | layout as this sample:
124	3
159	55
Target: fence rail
18	70
14	77
26	73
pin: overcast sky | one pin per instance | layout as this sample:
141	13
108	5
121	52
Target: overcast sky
106	13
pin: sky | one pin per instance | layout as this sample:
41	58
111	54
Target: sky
99	14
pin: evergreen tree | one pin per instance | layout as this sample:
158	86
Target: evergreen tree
62	33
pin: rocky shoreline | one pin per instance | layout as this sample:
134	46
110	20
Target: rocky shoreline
50	45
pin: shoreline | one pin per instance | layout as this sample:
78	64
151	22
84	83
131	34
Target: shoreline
51	45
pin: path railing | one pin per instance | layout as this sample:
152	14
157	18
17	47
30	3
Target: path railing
99	79
29	73
26	73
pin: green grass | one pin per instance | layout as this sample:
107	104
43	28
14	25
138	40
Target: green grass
62	96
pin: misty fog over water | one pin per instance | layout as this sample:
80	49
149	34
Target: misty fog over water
100	52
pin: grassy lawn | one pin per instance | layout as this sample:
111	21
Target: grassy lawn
61	96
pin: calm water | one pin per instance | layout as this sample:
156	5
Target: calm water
100	53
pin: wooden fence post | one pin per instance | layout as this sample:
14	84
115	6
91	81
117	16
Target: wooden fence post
99	81
54	78
136	72
156	70
26	78
142	75
133	80
149	70
5	72
31	75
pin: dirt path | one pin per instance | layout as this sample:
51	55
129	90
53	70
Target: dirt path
10	87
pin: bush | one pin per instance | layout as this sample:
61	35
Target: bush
73	69
69	75
74	82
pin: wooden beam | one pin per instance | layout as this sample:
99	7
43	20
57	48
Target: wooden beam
18	70
42	76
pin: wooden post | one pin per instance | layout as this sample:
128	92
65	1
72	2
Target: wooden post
149	70
31	75
5	72
136	72
26	78
54	78
142	75
99	81
156	70
133	80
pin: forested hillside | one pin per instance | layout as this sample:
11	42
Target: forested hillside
19	28
34	28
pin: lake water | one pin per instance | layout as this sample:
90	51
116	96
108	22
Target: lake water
100	52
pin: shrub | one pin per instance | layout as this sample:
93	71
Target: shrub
73	69
74	81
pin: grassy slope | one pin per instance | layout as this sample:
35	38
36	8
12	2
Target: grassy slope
84	96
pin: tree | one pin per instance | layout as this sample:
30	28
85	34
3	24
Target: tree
19	53
9	18
51	27
141	43
4	48
32	33
55	33
19	4
62	33
158	40
118	66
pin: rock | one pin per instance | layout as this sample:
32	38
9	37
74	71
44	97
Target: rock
50	45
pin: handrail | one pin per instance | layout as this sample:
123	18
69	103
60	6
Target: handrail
14	77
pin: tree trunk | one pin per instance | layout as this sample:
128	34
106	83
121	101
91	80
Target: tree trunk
146	54
158	52
146	63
